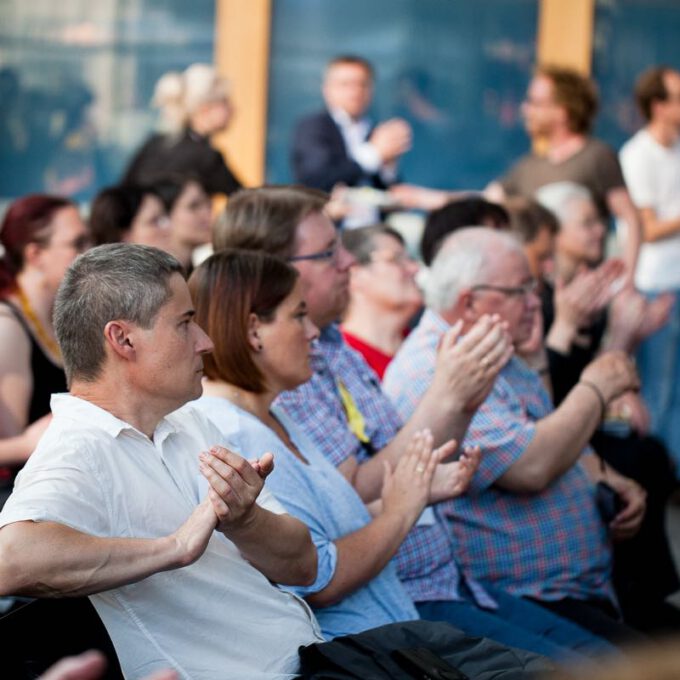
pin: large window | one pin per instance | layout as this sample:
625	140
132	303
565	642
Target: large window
456	69
630	36
76	78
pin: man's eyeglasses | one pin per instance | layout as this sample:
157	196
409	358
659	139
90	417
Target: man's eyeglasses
524	290
328	255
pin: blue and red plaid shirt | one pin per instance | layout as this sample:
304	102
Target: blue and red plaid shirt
425	562
548	545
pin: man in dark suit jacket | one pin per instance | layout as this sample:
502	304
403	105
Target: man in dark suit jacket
339	144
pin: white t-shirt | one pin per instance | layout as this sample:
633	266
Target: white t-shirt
218	618
652	173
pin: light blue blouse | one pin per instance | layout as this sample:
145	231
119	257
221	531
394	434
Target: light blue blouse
320	496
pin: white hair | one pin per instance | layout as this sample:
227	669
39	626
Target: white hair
462	261
179	95
559	196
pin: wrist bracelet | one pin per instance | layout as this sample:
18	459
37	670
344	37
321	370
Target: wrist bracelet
598	394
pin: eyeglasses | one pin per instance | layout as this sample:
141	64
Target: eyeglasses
399	258
524	290
328	255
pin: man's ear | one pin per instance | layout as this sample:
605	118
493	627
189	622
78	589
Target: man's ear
253	333
118	335
466	306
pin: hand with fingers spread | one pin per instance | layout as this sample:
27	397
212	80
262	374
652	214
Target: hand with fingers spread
467	367
235	485
578	302
453	479
406	489
633	318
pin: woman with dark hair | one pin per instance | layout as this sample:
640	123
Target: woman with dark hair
41	236
190	213
129	213
251	305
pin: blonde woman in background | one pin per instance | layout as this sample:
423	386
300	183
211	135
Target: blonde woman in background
194	105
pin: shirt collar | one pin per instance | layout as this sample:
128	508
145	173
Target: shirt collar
85	411
344	120
331	334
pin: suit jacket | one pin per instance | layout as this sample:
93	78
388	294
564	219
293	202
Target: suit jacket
319	157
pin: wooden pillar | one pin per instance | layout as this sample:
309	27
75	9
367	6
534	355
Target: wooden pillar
565	33
242	30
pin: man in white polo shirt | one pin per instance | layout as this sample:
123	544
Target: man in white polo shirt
114	502
651	166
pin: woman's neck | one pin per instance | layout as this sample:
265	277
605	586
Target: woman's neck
256	404
382	329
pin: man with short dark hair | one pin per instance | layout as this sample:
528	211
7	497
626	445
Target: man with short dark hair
114	502
341	145
651	164
558	114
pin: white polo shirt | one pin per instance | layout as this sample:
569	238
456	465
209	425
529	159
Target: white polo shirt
218	618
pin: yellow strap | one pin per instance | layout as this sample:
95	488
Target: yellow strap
354	418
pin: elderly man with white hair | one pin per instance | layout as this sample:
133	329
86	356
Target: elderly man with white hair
530	523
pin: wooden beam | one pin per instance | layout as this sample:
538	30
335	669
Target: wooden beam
565	33
242	30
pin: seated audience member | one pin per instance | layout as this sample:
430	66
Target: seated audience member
129	214
190	213
194	105
113	489
113	503
383	295
41	235
578	325
349	420
252	304
465	212
530	523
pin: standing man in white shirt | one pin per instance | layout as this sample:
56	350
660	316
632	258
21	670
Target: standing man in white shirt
130	501
651	166
341	145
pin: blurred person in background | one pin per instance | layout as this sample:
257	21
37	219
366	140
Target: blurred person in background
189	210
559	112
40	235
194	105
384	295
131	214
586	311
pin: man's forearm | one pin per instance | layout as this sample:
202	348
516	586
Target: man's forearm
47	559
557	443
279	546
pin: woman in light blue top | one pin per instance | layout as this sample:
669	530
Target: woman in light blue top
252	306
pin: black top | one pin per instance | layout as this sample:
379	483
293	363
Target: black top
565	369
48	378
319	157
187	153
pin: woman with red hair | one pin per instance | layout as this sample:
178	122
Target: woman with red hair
40	237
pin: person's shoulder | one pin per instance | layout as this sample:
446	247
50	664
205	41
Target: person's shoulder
317	120
598	148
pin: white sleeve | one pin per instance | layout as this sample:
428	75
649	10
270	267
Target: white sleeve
638	171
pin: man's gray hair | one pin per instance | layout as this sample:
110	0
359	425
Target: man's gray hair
558	197
114	281
463	261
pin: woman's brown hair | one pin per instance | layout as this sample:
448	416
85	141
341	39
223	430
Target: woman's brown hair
226	289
